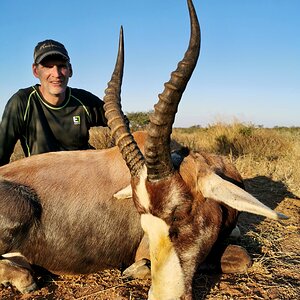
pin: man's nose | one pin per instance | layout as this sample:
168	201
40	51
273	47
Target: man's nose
56	71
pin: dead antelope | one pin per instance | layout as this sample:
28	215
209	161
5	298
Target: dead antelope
185	211
58	210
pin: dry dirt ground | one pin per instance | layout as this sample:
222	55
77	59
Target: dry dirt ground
274	247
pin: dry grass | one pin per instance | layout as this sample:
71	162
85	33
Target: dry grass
269	161
237	139
100	138
255	151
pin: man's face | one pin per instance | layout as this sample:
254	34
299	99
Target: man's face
54	74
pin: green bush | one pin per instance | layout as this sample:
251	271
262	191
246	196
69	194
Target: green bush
138	120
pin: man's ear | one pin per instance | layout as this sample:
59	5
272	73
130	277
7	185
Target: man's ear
34	70
71	70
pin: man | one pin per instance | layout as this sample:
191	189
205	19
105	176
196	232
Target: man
49	116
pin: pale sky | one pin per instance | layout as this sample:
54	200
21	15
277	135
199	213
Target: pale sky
249	66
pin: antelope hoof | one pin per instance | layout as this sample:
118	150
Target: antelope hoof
16	275
31	288
235	259
139	270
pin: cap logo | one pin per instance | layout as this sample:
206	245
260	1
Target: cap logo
47	46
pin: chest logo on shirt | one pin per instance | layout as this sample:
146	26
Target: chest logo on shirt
76	120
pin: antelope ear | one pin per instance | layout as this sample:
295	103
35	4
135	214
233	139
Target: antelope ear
124	193
214	187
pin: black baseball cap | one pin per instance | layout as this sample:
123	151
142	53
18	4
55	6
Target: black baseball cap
47	48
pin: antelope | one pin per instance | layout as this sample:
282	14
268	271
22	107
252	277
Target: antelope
185	211
79	212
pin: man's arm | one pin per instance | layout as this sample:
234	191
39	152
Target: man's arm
10	128
97	112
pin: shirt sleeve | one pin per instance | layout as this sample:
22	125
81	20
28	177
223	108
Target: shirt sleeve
10	127
97	113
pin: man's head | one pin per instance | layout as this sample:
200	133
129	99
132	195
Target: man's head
53	68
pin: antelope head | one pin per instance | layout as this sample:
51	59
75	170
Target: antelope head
174	212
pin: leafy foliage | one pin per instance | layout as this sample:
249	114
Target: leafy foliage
138	120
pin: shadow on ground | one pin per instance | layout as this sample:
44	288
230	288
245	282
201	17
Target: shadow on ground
269	192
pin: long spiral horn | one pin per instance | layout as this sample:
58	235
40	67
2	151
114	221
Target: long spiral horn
157	148
115	117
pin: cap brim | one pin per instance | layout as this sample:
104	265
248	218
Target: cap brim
43	56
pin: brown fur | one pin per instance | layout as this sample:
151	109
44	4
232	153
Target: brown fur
75	192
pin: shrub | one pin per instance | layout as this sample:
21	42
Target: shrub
138	120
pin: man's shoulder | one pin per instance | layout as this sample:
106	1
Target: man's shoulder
25	92
21	96
84	96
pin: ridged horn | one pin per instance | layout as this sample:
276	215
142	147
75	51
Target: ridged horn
115	117
157	148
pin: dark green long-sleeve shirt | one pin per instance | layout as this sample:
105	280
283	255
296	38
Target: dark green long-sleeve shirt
42	127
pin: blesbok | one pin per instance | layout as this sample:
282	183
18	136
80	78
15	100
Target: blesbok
184	210
58	210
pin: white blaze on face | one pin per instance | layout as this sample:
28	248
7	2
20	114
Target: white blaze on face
166	272
141	191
